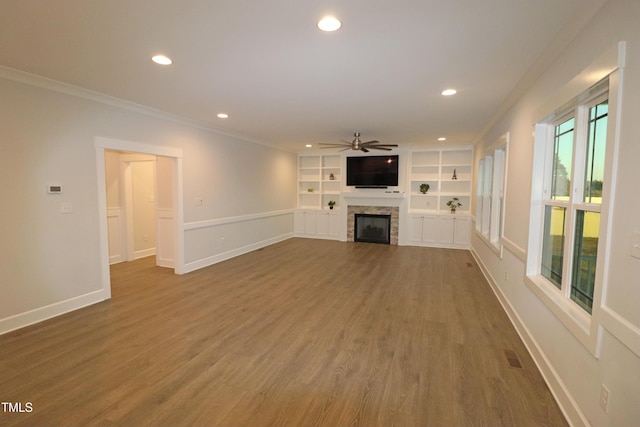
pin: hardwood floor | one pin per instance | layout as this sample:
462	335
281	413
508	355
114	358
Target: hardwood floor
301	333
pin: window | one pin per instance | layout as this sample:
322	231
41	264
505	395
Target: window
479	192
574	180
490	191
497	195
486	196
572	195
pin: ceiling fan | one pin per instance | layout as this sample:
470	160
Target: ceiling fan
357	144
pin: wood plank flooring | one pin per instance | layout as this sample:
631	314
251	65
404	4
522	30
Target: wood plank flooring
301	333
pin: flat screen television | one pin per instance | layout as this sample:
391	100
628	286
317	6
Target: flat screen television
372	171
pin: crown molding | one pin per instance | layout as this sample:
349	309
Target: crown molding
23	77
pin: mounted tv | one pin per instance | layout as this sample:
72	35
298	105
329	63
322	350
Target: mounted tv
372	171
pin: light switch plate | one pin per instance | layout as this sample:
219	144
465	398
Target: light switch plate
54	189
635	245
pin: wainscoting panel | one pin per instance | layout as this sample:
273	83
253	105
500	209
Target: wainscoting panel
213	241
116	235
165	242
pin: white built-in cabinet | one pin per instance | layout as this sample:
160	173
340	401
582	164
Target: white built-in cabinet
452	231
448	173
317	223
319	181
429	221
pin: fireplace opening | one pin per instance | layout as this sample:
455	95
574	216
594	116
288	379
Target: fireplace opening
372	228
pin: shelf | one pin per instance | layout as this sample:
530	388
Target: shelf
457	157
331	161
435	167
425	158
314	171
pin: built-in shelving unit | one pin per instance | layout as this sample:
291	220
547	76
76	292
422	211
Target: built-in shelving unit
436	167
319	181
448	173
426	218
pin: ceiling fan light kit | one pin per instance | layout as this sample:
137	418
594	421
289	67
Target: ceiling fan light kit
357	145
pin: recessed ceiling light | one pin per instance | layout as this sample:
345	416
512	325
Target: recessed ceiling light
223	115
162	60
442	139
308	145
449	92
329	23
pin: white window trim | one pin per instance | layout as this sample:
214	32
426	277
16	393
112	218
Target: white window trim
485	220
490	193
586	328
479	193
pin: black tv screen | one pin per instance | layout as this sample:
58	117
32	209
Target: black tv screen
372	171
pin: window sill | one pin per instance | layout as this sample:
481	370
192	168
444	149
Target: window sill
496	247
574	318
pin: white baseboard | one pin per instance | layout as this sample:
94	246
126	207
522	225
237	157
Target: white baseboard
205	262
563	397
144	253
116	259
168	263
38	315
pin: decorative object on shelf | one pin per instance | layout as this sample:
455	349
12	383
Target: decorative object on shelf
331	204
310	189
332	176
454	204
454	177
424	188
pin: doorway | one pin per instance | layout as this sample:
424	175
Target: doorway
132	204
166	198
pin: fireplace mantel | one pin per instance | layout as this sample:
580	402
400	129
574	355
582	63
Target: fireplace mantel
370	198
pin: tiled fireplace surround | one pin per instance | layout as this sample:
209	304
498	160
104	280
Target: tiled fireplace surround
394	212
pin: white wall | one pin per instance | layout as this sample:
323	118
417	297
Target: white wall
51	262
573	373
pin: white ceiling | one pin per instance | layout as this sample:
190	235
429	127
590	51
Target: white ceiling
281	80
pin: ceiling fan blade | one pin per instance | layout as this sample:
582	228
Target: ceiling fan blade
378	147
371	142
381	145
364	149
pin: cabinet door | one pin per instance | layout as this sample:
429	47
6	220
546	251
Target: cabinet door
310	223
322	224
462	231
305	223
445	230
334	224
430	229
415	229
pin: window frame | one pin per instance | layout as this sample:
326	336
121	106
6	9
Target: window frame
584	326
491	195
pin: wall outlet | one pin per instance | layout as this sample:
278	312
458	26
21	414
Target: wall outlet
604	398
506	276
66	207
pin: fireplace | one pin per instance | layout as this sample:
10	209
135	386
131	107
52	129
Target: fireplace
372	228
373	206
